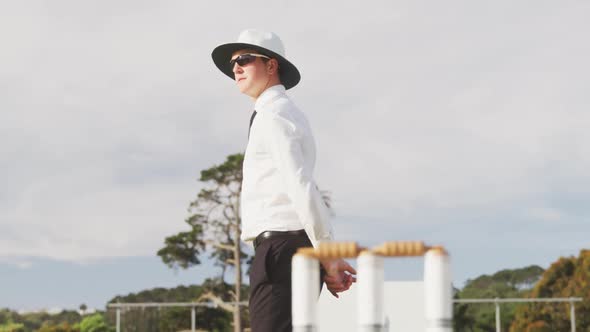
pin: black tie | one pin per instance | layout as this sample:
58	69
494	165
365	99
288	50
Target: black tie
251	120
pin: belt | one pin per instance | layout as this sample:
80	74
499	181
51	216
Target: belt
268	234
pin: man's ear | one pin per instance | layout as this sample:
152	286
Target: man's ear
272	65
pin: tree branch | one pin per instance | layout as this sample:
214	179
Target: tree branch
233	294
219	245
227	217
217	300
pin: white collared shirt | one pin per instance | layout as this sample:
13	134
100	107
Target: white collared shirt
278	190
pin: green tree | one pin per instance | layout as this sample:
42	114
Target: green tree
95	323
174	319
12	327
568	277
214	226
83	308
504	283
66	320
61	327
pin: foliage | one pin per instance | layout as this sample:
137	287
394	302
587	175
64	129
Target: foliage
174	319
12	327
208	319
159	294
214	227
214	216
95	323
61	327
568	277
39	321
504	283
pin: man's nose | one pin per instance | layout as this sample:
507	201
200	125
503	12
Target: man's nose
236	68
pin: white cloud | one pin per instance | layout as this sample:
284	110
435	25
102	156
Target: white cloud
24	265
110	110
18	262
544	214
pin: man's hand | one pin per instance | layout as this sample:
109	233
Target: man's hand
339	275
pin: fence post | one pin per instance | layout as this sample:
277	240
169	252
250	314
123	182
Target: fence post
573	314
193	319
498	323
118	319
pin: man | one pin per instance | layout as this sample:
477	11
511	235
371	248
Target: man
282	208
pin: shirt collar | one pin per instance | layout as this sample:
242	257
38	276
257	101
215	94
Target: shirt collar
268	95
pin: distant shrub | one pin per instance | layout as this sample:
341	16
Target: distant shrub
95	323
11	327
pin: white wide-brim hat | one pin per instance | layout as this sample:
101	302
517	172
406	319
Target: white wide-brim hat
266	43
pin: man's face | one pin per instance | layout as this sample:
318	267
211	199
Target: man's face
252	78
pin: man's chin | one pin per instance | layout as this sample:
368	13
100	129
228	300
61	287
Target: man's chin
247	92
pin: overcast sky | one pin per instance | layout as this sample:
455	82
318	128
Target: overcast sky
459	122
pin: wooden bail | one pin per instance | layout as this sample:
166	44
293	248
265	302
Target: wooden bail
332	250
401	249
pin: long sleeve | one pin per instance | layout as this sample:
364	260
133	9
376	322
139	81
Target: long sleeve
286	147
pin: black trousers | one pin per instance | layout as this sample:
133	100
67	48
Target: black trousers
270	283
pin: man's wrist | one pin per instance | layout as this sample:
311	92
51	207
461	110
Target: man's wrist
330	265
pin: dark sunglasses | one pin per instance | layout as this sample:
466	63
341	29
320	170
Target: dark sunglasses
246	58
